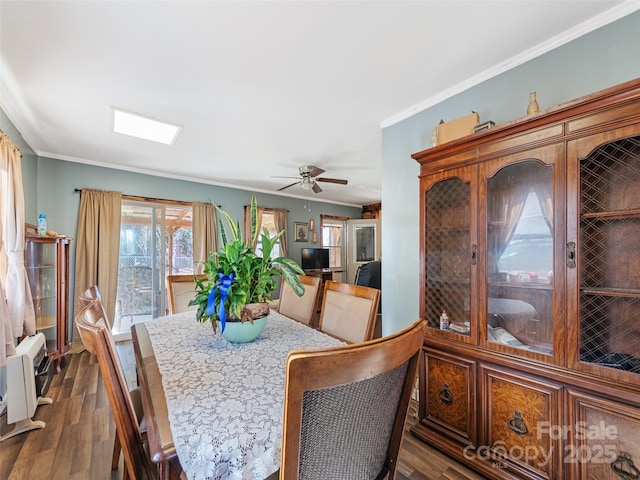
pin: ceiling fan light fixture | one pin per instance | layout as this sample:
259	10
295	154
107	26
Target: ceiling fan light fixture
308	179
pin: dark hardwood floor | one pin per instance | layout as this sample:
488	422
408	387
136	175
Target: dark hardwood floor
77	441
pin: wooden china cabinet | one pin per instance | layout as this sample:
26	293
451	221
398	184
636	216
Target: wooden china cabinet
530	240
47	266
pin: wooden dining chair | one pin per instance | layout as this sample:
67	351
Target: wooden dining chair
181	290
90	295
97	338
349	311
345	408
301	308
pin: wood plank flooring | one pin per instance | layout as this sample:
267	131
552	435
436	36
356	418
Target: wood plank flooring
77	442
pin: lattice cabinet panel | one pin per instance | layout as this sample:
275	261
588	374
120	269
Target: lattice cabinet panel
448	244
610	255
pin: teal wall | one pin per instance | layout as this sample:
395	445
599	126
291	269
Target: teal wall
56	196
598	60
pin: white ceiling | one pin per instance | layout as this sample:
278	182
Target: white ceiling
260	87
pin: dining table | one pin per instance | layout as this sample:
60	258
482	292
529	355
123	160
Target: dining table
214	409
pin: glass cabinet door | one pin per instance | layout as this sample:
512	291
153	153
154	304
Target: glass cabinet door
520	257
450	252
41	266
608	254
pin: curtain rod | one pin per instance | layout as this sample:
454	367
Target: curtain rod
148	199
162	200
269	209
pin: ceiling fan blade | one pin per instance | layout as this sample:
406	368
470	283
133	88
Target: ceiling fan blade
294	183
280	176
333	180
316	171
316	188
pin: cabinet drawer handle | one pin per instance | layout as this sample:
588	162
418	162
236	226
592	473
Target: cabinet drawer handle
623	467
445	394
517	424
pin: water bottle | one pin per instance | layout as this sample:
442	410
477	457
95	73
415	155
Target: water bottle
42	225
444	321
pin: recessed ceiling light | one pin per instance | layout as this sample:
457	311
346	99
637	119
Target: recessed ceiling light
136	125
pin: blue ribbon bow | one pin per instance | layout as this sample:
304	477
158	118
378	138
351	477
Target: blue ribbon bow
224	286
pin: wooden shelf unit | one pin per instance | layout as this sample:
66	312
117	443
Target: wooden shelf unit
47	266
516	406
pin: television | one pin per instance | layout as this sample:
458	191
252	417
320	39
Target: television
315	258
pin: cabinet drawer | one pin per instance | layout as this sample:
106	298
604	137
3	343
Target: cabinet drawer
603	439
451	400
519	413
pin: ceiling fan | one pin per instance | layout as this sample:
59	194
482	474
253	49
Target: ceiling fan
308	179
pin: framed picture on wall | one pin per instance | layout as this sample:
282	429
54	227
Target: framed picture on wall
302	231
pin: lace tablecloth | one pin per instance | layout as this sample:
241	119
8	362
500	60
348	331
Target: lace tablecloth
226	401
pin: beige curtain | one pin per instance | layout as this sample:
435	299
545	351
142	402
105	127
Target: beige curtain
17	316
280	218
205	234
98	247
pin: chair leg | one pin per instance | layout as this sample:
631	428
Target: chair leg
115	458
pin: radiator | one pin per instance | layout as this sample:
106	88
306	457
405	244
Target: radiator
29	374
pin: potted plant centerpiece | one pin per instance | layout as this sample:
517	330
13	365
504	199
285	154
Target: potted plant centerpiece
239	281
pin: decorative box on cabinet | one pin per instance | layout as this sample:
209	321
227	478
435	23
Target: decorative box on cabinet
547	311
47	266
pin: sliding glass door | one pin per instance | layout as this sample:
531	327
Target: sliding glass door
155	241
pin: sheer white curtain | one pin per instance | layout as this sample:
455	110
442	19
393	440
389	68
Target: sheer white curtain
17	316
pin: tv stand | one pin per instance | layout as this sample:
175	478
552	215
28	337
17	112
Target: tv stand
324	273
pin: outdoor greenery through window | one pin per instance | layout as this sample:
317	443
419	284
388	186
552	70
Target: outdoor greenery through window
156	240
333	231
268	222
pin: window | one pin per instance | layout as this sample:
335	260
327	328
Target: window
333	230
156	240
269	222
530	250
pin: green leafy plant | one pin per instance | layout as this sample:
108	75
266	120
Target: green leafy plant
237	276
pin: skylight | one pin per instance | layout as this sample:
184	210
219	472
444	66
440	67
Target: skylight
139	126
